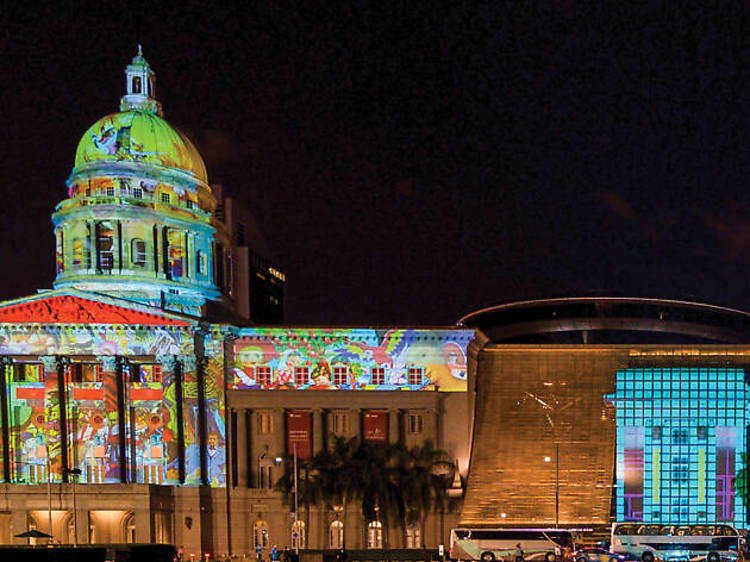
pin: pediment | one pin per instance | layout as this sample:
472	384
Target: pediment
66	308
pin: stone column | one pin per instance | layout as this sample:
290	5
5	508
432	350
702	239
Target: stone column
242	449
393	426
318	429
172	375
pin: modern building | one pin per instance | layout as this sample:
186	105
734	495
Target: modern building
141	404
598	409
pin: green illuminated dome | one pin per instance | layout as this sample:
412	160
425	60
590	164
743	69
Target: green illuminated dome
138	135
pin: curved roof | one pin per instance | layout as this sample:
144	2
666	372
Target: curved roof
610	320
139	136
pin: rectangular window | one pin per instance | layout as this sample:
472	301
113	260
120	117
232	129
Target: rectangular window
165	197
265	423
189	203
265	477
176	253
137	193
110	191
680	469
340	375
301	375
415	375
680	436
263	375
77	251
138	252
340	423
377	375
634	465
725	473
415	423
105	246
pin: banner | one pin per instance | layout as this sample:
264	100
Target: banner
375	427
299	434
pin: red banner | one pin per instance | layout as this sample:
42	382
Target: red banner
299	434
375	427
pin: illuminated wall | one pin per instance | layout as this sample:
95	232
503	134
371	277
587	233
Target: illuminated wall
680	440
121	402
350	359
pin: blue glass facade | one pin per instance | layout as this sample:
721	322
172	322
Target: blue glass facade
680	440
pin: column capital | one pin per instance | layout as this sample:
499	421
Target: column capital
52	362
109	362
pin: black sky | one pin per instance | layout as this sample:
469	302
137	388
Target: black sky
409	162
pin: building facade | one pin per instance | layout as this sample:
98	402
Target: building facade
593	410
140	405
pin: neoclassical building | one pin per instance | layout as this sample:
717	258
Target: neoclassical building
141	404
150	397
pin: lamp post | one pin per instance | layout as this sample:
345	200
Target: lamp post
557	482
74	472
296	507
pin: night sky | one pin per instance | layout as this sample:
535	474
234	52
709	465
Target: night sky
407	162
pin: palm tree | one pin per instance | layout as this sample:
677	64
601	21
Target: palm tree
393	484
425	477
338	475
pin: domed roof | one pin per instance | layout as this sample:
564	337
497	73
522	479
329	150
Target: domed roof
139	135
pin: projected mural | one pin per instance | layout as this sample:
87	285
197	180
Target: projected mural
680	443
350	359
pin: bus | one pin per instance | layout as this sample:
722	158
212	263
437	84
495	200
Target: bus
712	543
501	544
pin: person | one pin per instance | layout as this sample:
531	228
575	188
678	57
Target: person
259	553
519	553
274	554
285	555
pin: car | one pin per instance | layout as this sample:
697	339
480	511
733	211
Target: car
595	555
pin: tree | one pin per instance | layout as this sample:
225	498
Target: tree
392	484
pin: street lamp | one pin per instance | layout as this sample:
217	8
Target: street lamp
74	472
557	482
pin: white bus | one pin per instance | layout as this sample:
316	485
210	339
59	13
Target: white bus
694	543
502	544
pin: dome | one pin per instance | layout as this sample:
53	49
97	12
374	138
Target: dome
139	135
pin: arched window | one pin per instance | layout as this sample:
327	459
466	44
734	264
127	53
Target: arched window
129	525
71	529
138	252
374	534
136	84
413	536
336	533
298	534
260	534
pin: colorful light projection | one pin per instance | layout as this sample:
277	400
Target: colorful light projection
137	220
139	136
351	359
680	441
154	400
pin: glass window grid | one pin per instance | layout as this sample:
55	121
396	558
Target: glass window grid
680	399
